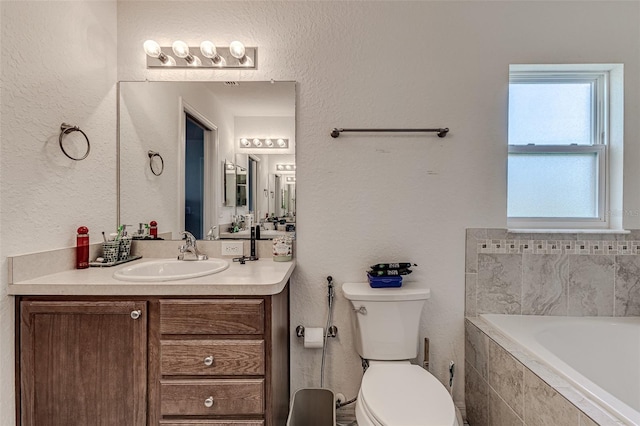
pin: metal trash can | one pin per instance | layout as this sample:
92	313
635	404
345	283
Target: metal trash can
312	407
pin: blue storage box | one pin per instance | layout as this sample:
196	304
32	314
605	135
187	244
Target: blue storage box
380	282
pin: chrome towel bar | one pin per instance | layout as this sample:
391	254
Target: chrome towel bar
442	131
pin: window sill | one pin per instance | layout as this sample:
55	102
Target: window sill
568	231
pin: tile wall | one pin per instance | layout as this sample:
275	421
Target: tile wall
552	274
502	391
539	274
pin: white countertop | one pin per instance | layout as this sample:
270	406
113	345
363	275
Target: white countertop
256	278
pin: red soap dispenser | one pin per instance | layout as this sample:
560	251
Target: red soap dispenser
153	229
82	248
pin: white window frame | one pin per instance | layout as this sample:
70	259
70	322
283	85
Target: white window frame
599	79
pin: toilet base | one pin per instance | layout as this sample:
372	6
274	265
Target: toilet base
364	419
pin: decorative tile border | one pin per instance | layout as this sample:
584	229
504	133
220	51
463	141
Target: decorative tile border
585	247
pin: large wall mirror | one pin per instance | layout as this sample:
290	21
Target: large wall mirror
212	158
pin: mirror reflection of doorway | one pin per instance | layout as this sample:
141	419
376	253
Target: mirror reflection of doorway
196	137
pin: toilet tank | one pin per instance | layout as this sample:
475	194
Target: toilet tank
386	320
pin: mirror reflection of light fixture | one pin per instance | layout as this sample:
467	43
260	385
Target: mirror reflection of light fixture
291	179
153	50
263	143
286	167
208	55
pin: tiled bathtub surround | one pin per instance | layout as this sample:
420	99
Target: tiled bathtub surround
552	274
506	387
539	274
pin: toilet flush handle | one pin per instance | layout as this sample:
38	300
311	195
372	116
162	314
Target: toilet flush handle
361	310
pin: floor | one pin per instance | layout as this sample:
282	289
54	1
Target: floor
346	417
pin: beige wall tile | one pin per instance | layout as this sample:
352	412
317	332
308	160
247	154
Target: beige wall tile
500	414
475	349
543	406
499	285
544	284
506	377
470	295
476	391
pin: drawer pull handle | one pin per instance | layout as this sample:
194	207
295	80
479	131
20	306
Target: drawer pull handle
208	402
136	314
208	361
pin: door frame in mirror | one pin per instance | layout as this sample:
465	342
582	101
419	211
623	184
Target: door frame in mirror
210	169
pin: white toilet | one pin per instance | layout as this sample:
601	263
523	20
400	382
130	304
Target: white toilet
393	391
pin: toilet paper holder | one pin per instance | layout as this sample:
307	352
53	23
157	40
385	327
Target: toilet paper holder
331	331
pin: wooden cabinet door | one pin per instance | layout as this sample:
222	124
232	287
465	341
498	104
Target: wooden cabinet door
83	363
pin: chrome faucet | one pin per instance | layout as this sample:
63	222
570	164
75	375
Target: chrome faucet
189	246
213	233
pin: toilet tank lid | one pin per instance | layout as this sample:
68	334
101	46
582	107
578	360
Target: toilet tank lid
363	291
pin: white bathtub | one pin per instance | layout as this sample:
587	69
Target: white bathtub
599	355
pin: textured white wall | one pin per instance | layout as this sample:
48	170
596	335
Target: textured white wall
58	65
361	199
364	199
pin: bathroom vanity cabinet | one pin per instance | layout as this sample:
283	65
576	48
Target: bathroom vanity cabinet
82	362
206	361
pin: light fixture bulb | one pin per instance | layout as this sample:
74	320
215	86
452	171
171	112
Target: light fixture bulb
195	61
257	142
237	50
245	142
281	143
288	167
208	49
268	142
152	48
180	48
280	167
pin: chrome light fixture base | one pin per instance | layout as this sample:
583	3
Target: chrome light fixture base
249	61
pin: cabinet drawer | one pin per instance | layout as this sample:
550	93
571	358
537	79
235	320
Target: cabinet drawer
212	357
212	316
212	397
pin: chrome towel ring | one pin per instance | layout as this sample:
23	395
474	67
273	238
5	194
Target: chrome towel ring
156	168
65	129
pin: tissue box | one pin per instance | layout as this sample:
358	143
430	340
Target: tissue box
381	282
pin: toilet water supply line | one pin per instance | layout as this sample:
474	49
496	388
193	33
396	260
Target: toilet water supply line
330	331
330	296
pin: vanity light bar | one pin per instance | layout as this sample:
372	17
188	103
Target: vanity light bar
207	55
268	143
291	179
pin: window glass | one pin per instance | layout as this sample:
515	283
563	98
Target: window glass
553	185
550	113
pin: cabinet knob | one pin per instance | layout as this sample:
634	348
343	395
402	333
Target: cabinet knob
208	361
208	402
136	314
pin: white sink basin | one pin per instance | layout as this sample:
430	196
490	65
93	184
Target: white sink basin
170	269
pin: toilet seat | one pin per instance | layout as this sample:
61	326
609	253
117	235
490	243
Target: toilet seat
404	395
